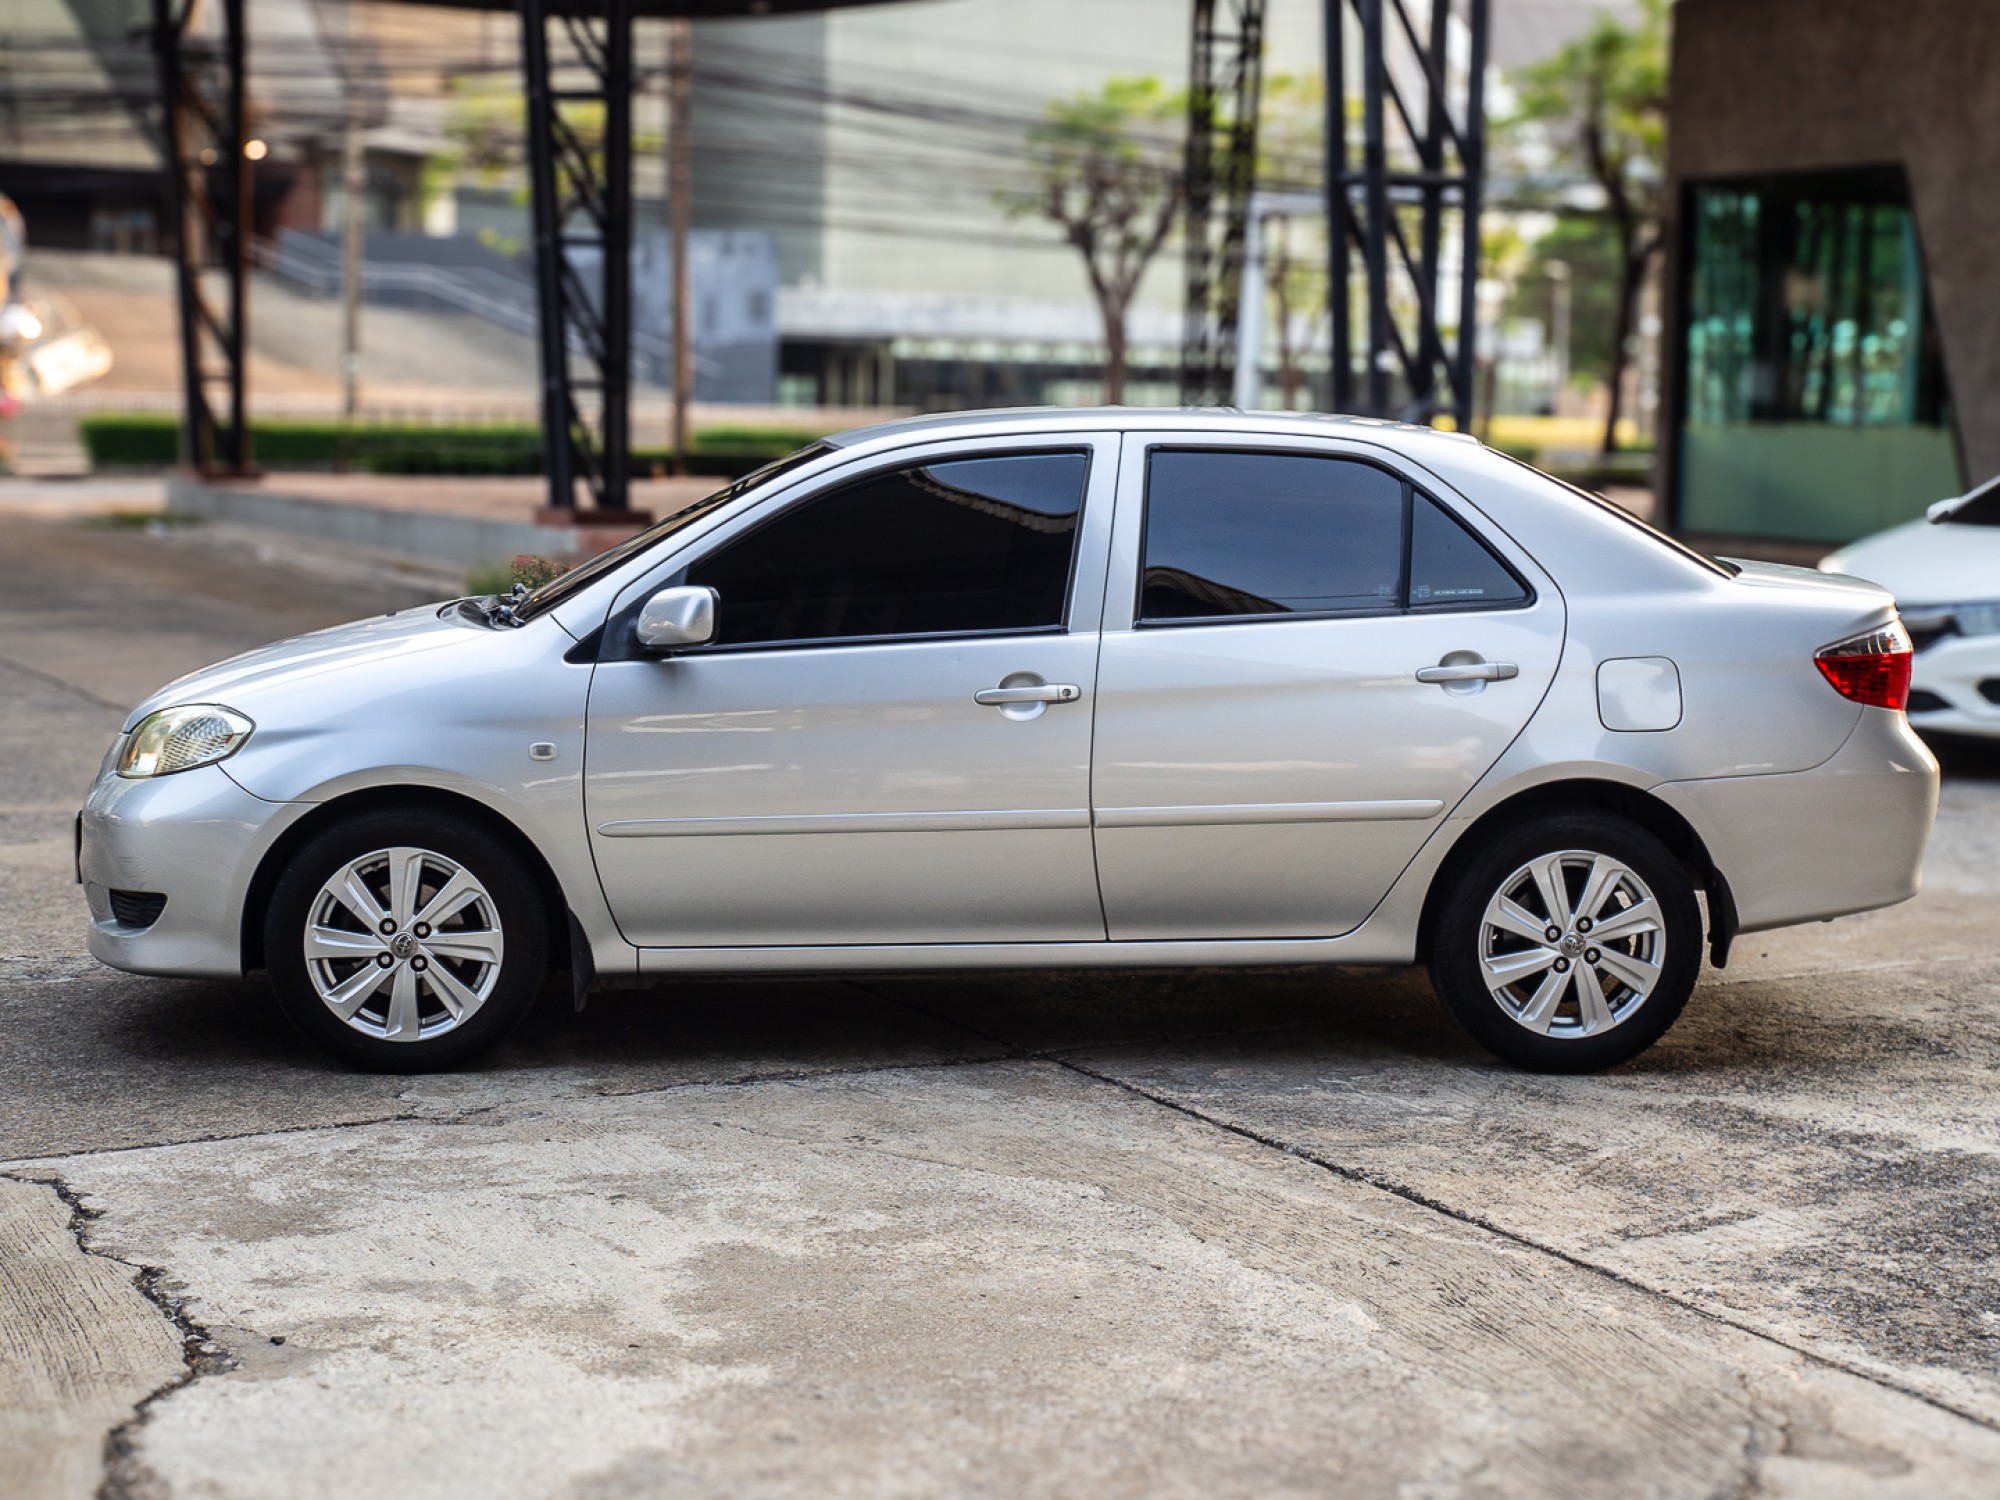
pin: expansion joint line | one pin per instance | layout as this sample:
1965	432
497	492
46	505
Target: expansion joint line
49	679
1409	1194
124	1473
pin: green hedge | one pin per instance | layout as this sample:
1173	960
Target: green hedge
151	440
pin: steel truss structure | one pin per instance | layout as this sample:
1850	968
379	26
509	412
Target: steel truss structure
577	65
1420	161
1227	65
208	214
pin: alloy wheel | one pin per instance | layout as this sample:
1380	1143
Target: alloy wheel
1571	944
403	944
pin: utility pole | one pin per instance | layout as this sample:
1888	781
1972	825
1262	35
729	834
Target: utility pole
680	195
353	244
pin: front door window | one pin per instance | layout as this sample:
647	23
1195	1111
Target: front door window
971	546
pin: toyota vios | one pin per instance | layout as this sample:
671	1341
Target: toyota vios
1115	687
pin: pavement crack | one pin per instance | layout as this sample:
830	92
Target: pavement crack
49	679
1471	1220
126	1475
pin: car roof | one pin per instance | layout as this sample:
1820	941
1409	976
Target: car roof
1220	419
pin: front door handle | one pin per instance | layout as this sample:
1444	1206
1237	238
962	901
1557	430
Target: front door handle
1470	671
1041	692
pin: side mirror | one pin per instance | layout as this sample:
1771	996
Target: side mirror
675	619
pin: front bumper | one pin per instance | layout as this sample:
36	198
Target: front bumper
1846	836
196	838
1959	670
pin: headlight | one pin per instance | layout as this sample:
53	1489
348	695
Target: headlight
179	739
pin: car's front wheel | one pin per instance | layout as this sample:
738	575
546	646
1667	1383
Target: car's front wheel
403	941
1568	944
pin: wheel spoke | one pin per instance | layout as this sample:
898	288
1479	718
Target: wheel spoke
481	945
1636	972
347	997
404	1018
1597	886
338	942
452	898
1505	968
1592	1014
1541	1006
1640	916
406	875
452	994
1549	881
358	899
1511	917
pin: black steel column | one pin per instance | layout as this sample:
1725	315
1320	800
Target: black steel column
1339	218
1420	167
581	192
1221	173
208	218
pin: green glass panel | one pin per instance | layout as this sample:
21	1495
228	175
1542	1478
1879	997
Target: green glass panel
1816	400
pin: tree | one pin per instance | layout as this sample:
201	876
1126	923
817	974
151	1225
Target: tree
1106	169
1603	101
1291	133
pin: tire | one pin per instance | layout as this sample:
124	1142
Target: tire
1526	997
454	975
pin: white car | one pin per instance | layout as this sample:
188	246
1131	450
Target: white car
1945	573
1027	689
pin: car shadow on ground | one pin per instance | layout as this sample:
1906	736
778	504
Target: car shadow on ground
122	1060
1963	758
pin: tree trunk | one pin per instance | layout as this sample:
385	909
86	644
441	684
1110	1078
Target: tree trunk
1281	305
1114	353
1631	277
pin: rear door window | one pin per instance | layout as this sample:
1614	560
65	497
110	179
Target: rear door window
1271	535
1250	534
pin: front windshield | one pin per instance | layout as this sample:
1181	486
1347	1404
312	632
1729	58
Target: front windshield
584	574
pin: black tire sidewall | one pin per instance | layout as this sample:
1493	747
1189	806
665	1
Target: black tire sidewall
1454	957
518	903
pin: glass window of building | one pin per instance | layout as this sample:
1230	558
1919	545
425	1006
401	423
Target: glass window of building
1815	403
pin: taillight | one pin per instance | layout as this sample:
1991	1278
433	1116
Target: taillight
1872	668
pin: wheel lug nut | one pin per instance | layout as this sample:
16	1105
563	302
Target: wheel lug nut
384	959
420	963
388	927
423	929
1590	955
1562	966
1554	934
1583	925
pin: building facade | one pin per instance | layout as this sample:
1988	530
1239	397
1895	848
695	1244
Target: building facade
1832	296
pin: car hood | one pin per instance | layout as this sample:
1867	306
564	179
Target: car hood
1925	564
365	643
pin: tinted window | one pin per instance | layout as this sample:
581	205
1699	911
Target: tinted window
976	544
1267	534
1449	565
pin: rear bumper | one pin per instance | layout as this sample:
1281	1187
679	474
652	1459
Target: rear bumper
195	838
1846	836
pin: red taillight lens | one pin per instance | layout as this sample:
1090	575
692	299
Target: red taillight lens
1872	668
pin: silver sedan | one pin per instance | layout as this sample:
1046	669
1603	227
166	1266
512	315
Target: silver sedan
1030	689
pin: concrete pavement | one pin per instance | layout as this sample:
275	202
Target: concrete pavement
1267	1234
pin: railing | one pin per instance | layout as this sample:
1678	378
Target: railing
499	302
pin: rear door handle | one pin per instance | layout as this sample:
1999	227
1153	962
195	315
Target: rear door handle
1472	671
1043	692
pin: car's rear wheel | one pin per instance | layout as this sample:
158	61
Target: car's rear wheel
1569	943
405	942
